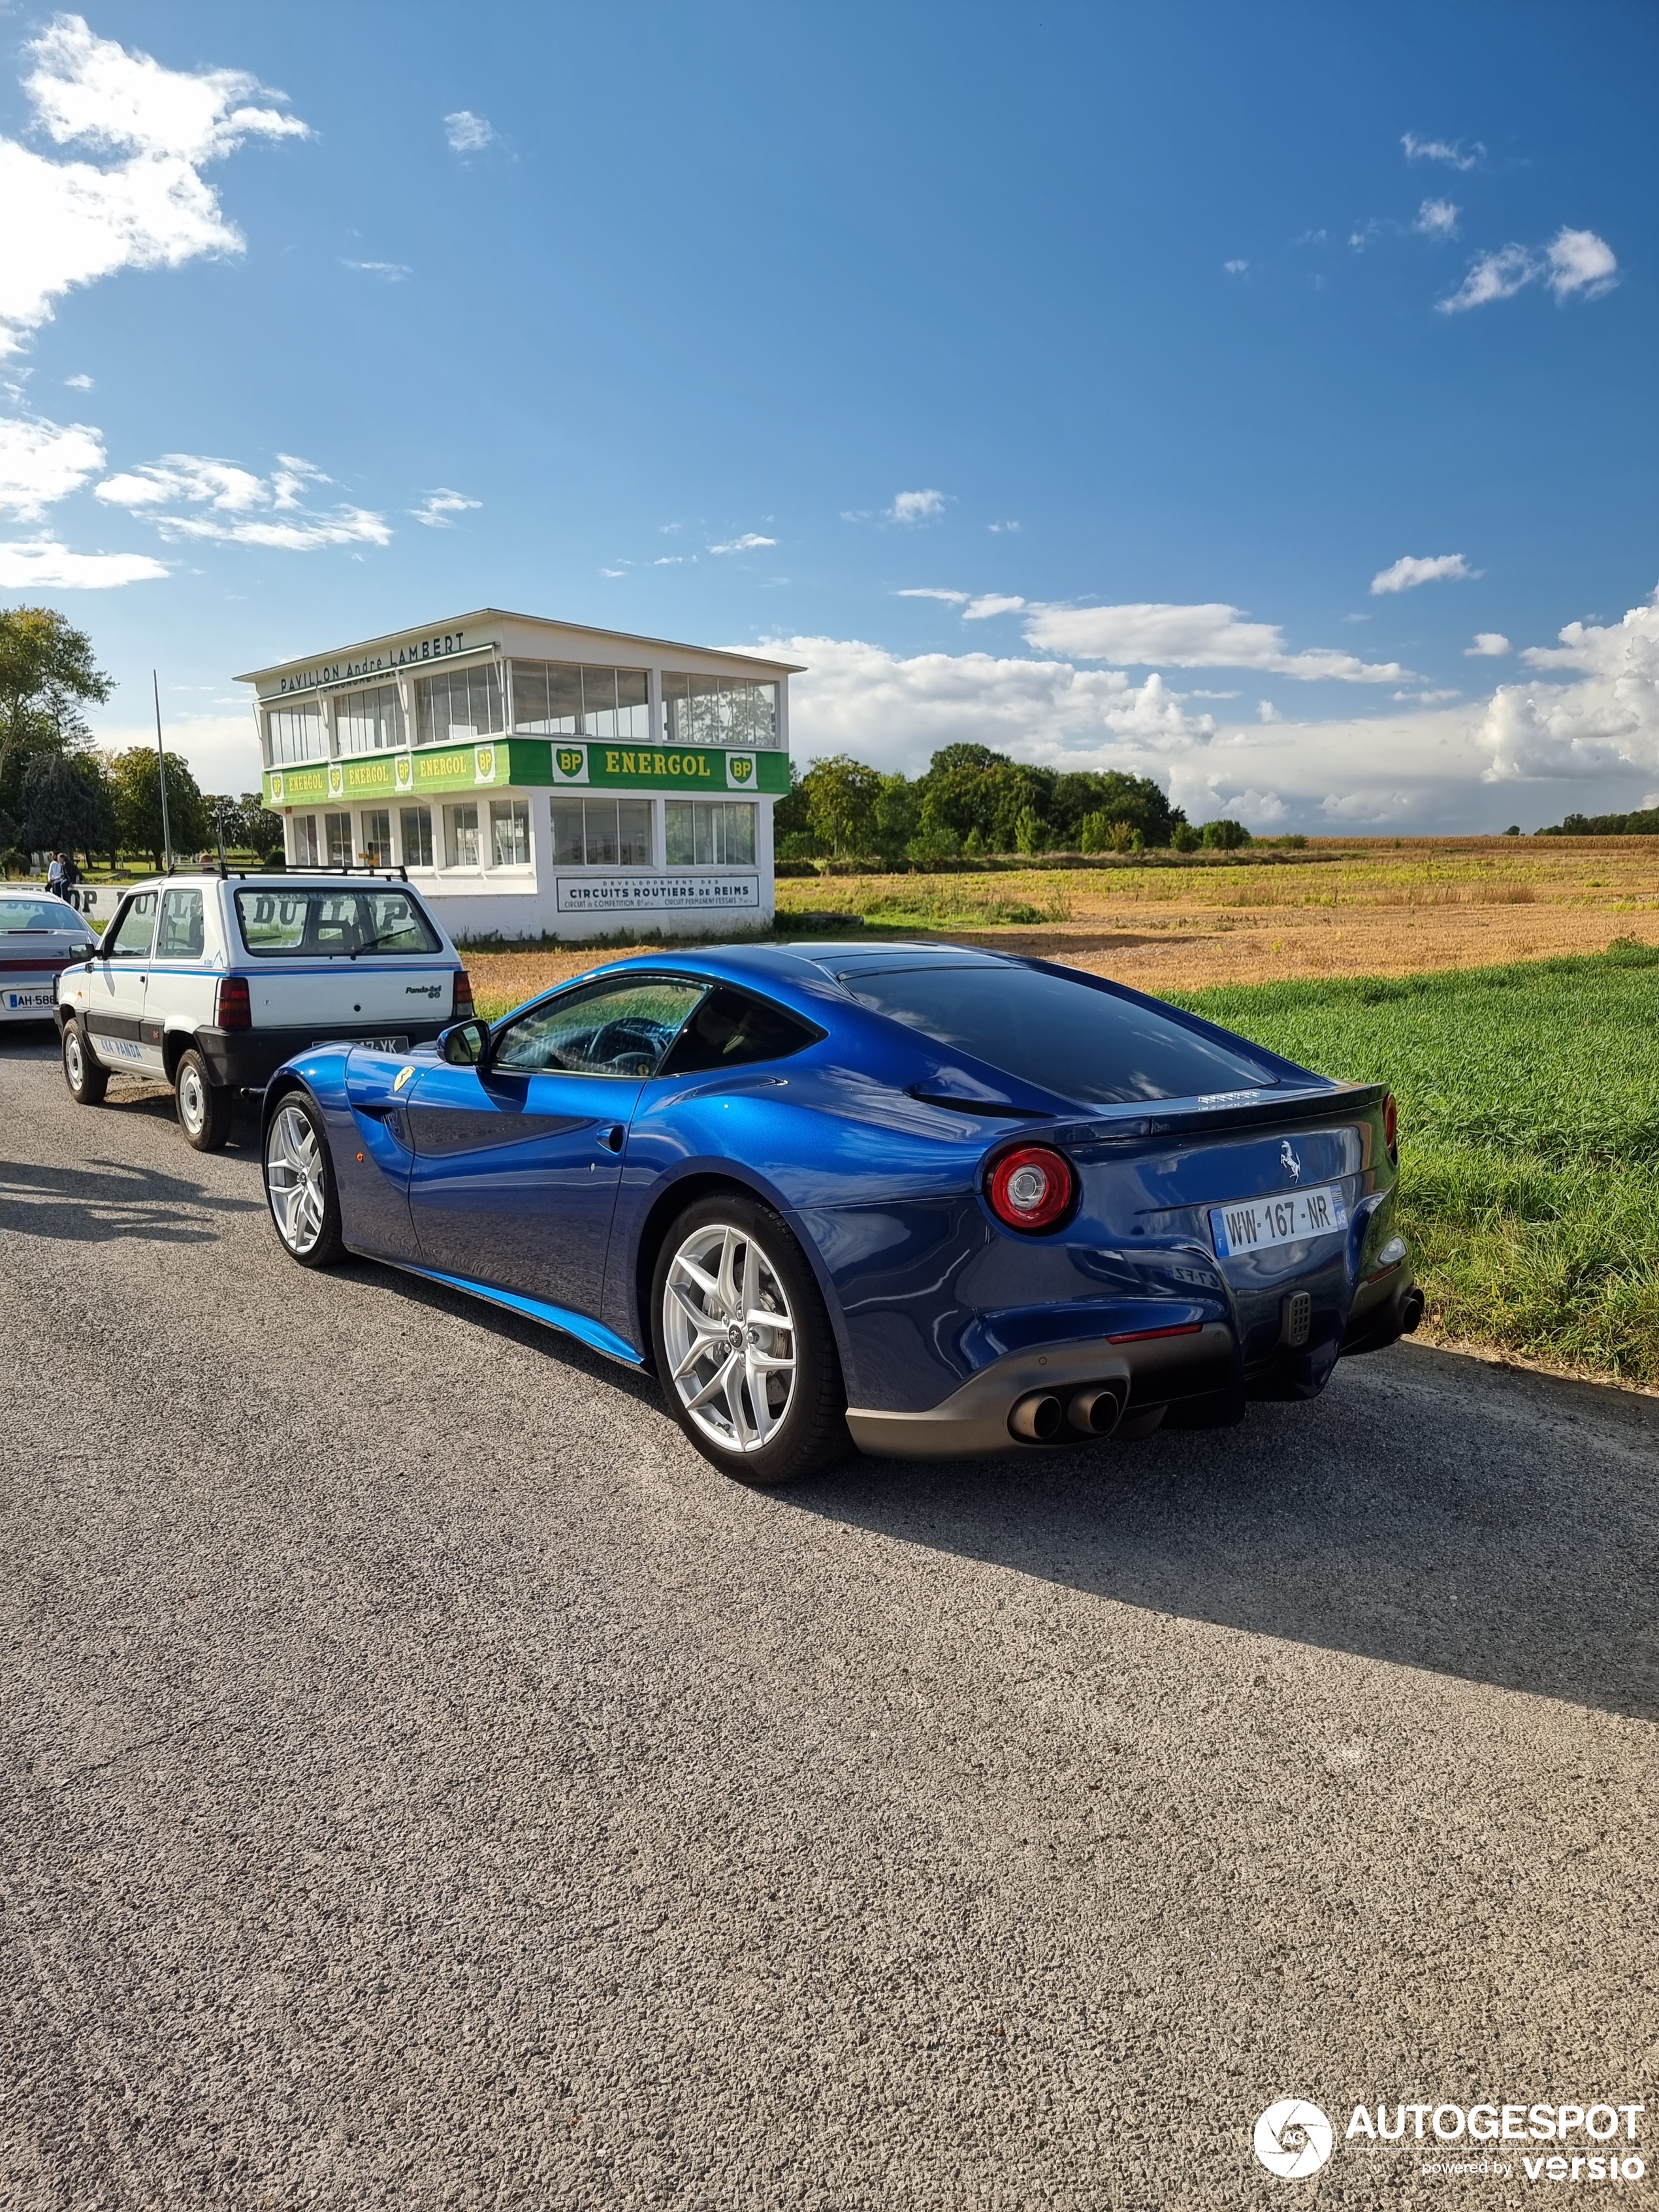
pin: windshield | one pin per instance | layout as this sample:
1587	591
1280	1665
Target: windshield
1079	1043
318	921
18	915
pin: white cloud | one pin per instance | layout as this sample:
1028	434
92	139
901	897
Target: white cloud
237	502
1437	219
1608	721
41	462
916	506
468	133
78	383
1440	150
436	509
859	698
996	528
1579	261
42	564
932	592
1266	712
1412	569
991	603
1574	261
390	273
669	561
1235	268
749	542
613	572
149	208
1489	644
1429	698
1211	635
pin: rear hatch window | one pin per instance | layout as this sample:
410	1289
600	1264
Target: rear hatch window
1069	1038
318	922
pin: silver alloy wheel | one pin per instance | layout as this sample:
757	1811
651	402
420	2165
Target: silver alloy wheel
295	1179
74	1065
192	1100
730	1337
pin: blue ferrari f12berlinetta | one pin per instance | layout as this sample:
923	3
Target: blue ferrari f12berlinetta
925	1199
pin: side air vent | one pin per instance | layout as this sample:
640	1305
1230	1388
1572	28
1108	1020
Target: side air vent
1299	1318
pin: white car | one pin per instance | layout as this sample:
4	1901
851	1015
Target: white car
210	980
39	935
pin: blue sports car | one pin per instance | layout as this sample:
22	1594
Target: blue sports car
929	1199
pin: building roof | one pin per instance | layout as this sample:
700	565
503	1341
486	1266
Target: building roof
365	648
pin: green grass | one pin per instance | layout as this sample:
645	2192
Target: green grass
1529	1118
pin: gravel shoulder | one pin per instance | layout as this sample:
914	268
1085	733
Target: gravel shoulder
425	1782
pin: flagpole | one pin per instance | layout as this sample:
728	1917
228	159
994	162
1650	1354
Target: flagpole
162	758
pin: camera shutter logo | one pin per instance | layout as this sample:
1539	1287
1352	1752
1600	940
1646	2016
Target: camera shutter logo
1293	2139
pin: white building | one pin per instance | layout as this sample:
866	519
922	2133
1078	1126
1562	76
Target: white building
534	777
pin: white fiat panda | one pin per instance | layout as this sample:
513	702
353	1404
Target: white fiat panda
210	980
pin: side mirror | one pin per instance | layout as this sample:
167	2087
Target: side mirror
465	1044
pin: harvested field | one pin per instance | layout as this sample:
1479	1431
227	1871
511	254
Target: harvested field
1168	924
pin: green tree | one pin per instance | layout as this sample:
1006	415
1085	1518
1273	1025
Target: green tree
1225	836
62	806
138	784
842	795
46	674
895	816
1030	831
1184	837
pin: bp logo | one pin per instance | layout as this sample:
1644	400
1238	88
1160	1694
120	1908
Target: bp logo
336	781
1294	2138
275	790
404	772
741	770
484	763
569	760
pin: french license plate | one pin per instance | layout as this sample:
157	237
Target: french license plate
386	1043
24	1002
1255	1225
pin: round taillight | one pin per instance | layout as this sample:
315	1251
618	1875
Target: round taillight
1032	1187
1391	1127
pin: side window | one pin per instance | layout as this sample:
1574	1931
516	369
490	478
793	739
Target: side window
135	928
609	1028
730	1029
180	937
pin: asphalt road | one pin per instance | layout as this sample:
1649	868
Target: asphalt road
424	1781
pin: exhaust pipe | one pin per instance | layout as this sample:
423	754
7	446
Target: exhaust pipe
1095	1410
1411	1311
1036	1420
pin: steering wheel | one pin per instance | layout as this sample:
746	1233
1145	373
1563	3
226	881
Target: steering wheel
624	1039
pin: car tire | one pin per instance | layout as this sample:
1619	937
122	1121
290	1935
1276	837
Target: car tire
84	1073
298	1180
204	1106
767	1404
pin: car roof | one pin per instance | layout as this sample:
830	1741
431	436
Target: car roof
815	961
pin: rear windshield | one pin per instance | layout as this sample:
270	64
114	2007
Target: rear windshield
311	920
18	916
1069	1038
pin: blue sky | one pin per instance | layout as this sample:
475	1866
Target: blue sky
1187	389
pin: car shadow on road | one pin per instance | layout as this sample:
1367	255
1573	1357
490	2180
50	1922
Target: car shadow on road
105	1200
1365	1523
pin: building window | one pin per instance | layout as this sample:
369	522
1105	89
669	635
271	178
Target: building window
558	699
417	826
295	734
337	827
719	710
369	721
377	840
602	833
461	835
709	833
509	832
305	841
463	702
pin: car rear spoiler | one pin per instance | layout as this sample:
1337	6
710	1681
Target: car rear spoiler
1281	1106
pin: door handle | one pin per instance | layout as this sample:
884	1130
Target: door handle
613	1138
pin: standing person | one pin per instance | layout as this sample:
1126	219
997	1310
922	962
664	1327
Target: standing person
71	877
55	875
